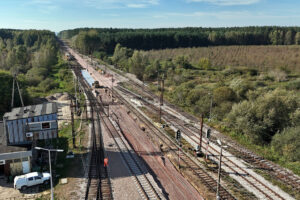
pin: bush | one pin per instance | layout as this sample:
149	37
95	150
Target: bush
204	63
240	87
47	85
287	143
263	117
293	85
223	94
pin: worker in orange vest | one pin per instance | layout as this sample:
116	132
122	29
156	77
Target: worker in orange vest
105	162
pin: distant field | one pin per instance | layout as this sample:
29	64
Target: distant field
262	57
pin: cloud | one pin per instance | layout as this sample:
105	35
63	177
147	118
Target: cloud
226	15
117	4
136	5
228	2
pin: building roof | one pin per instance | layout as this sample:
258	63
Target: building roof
15	154
31	111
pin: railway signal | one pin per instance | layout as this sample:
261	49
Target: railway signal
201	130
178	138
208	134
178	135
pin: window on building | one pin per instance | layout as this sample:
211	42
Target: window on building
24	159
45	125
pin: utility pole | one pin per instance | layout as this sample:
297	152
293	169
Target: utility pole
72	123
75	82
112	88
201	130
49	154
219	175
219	170
179	155
161	99
210	108
86	111
158	79
13	94
19	92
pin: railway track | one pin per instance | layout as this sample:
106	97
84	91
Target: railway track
205	178
248	156
262	189
265	191
98	184
145	186
102	184
256	161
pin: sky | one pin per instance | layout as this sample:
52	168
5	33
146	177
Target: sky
57	15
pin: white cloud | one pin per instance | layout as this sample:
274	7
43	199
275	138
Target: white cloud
226	15
136	5
228	2
113	4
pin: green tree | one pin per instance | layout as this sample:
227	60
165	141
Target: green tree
289	38
182	62
137	64
204	63
277	37
5	88
297	38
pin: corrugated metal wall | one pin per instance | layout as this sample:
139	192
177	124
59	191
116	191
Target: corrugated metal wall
16	128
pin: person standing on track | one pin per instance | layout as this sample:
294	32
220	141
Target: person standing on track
105	162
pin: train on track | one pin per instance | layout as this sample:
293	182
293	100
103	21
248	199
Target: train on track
89	79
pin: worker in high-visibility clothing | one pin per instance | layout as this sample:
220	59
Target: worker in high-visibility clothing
105	162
